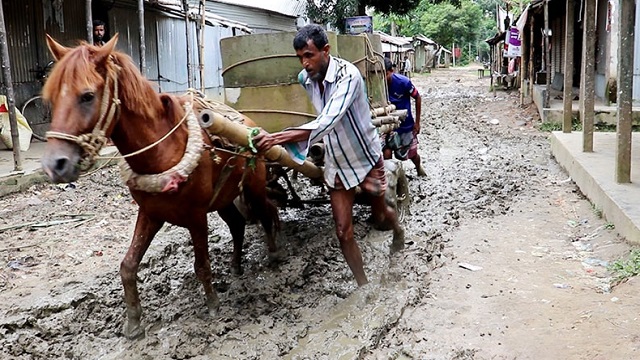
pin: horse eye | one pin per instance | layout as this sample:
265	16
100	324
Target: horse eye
87	97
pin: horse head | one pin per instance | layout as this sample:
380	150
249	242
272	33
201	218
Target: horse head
82	92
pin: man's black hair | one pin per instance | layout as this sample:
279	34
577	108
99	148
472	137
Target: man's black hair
98	22
312	32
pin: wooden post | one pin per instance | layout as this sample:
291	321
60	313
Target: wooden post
185	6
567	96
532	50
587	74
522	66
8	83
453	53
143	46
625	90
88	14
203	11
547	56
492	66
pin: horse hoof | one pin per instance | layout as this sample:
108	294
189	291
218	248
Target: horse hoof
133	332
397	243
213	305
276	257
236	270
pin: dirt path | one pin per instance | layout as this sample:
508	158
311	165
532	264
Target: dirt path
494	199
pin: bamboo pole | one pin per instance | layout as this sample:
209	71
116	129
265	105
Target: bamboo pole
386	128
547	56
382	110
89	18
238	134
143	46
532	50
8	82
383	120
203	11
185	6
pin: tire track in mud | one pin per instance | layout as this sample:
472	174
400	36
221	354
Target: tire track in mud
306	307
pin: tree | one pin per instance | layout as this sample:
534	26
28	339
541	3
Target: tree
335	11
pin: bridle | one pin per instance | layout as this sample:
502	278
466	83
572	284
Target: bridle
91	143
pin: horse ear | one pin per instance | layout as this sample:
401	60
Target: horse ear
57	50
105	50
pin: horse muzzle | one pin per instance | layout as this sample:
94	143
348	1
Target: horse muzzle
61	161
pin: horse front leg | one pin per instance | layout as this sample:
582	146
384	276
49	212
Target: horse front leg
145	230
202	263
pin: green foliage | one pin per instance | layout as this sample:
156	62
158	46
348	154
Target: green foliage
549	126
447	24
335	11
623	269
331	11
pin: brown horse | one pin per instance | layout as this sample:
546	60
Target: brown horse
98	93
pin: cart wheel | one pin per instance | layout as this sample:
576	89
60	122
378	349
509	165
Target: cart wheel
397	195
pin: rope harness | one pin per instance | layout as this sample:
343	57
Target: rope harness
91	143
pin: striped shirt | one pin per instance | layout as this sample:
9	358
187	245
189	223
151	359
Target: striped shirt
352	144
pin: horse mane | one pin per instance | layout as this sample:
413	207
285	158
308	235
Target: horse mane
78	71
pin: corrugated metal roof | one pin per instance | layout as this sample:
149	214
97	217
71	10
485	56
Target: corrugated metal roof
425	39
176	6
294	8
215	19
395	40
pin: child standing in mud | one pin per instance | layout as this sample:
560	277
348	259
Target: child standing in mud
353	154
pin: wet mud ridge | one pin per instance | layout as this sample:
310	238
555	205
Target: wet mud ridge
61	295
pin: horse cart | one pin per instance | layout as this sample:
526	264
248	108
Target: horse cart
176	172
261	82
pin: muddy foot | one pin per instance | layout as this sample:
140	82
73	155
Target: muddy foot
397	243
421	171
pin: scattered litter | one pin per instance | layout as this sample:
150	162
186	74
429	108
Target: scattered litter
562	286
595	262
25	261
614	299
470	267
68	186
581	246
565	181
494	121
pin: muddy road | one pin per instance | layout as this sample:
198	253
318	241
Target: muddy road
494	198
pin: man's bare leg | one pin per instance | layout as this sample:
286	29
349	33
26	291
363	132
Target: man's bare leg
342	208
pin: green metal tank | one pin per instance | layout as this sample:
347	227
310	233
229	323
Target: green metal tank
260	74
